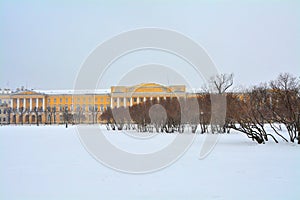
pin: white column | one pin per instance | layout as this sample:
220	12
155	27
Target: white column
12	103
118	102
157	99
111	102
144	99
37	102
125	102
30	104
130	101
18	103
138	100
44	104
24	103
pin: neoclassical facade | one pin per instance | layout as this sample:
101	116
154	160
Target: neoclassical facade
55	107
128	96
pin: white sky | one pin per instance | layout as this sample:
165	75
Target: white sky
43	45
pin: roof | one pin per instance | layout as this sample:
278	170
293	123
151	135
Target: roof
73	92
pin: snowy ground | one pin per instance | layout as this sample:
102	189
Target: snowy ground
50	163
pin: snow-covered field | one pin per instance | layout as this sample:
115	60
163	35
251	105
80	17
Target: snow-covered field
50	163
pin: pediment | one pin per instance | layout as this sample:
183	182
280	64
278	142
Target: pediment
27	93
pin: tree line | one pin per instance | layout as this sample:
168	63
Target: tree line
275	104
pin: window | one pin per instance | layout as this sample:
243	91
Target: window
48	100
54	100
108	99
67	100
101	100
4	119
135	99
121	100
60	100
115	100
128	100
141	99
0	111
101	108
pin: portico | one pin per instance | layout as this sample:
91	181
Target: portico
27	106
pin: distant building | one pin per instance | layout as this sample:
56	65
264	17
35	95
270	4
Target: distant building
5	101
54	107
128	96
5	96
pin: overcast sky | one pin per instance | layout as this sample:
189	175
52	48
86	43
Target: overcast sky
43	45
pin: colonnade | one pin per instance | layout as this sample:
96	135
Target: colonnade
31	100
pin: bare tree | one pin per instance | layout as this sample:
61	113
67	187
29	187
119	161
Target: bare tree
221	83
286	103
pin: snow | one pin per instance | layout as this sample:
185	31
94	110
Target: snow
49	162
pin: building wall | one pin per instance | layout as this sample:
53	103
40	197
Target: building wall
128	96
28	106
3	114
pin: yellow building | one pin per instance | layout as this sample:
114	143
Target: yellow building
55	107
5	101
128	96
